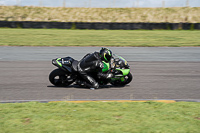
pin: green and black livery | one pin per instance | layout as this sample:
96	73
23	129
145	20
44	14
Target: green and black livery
67	72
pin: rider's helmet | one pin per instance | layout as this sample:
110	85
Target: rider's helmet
105	54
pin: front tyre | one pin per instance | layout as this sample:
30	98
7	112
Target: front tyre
127	79
59	78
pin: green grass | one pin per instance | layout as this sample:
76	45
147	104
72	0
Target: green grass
135	38
109	117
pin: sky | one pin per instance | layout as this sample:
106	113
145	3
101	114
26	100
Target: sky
102	3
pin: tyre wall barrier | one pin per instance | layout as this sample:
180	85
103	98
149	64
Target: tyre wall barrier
100	25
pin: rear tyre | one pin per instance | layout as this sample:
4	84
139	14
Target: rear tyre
60	78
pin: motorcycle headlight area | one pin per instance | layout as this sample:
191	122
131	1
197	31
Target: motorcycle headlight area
112	63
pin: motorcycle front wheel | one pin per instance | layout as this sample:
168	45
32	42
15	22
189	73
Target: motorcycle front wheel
60	78
127	79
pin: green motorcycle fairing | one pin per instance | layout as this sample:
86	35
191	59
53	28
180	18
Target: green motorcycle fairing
124	71
107	66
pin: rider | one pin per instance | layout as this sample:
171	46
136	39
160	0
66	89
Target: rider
93	62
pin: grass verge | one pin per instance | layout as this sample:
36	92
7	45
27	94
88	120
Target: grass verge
112	117
133	38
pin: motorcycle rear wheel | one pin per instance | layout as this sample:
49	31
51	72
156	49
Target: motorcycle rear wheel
59	78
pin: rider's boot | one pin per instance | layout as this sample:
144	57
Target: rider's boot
85	84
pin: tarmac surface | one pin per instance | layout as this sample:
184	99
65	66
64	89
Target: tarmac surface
158	73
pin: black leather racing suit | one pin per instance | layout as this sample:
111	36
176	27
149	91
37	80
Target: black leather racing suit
91	63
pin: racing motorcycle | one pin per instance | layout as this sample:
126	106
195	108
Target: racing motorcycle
67	72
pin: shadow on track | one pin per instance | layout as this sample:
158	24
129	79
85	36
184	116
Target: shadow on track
79	87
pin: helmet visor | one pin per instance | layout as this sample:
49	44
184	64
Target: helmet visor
107	57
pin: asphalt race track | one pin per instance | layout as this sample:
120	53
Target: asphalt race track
159	73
